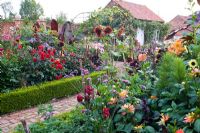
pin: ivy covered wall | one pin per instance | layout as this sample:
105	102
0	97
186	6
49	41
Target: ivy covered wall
117	17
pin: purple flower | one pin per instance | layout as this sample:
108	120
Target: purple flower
126	81
84	71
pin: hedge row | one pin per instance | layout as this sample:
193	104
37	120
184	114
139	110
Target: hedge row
38	94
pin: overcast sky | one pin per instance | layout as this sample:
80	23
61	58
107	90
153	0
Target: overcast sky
166	9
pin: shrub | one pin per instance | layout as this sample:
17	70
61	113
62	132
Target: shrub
171	71
26	97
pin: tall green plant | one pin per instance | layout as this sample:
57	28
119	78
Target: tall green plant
171	71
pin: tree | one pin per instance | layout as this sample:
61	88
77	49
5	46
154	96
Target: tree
61	18
7	9
31	10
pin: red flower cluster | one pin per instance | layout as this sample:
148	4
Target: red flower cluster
106	113
80	98
42	53
89	90
59	77
57	64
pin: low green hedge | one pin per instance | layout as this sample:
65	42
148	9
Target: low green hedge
38	94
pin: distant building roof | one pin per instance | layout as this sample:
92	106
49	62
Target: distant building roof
178	22
137	11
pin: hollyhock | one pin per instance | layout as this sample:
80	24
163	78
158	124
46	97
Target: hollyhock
79	98
106	113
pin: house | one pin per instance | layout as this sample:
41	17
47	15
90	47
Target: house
178	27
140	12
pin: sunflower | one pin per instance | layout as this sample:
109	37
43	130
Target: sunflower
193	63
108	30
98	30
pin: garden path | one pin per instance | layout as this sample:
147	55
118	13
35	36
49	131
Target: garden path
9	121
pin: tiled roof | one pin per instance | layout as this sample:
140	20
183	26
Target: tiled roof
139	11
178	22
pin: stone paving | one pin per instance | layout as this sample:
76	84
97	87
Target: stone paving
9	121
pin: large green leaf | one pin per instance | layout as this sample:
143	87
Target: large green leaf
149	129
197	125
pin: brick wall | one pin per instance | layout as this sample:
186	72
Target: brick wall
5	26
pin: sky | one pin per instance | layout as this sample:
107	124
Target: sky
166	9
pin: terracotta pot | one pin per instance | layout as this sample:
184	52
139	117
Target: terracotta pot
198	2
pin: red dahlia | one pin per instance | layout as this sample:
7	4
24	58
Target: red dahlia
59	66
79	98
106	113
89	90
34	59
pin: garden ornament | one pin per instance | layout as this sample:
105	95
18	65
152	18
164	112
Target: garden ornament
66	34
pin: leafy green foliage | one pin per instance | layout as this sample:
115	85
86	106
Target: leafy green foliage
30	10
117	17
171	71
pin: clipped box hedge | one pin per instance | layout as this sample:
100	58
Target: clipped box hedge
38	94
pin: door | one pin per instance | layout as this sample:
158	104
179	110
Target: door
140	36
